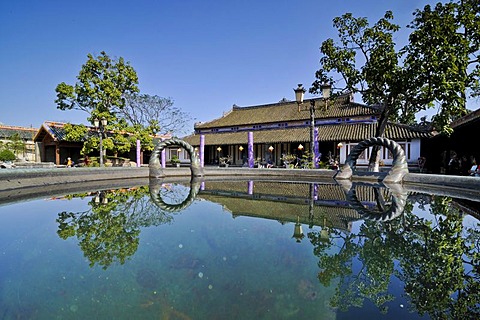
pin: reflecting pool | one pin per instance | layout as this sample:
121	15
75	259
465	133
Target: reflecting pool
240	250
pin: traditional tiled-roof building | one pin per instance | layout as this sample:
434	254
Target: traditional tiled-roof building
53	147
25	134
282	128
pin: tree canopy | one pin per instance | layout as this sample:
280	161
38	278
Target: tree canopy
443	58
102	84
436	68
107	88
366	60
16	144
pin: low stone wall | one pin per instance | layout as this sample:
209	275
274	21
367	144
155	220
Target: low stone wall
11	179
464	187
27	178
33	165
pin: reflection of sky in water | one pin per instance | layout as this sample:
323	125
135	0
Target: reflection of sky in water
204	264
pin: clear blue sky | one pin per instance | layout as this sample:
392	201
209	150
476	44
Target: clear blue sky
205	55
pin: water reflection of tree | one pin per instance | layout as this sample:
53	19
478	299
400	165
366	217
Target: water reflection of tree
109	230
437	258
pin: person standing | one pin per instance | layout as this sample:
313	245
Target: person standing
464	166
474	170
453	165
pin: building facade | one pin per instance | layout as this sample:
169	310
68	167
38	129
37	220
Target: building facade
52	146
461	143
25	134
284	128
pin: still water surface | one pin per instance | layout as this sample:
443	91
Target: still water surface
253	250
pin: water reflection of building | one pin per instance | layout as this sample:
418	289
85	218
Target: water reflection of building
290	202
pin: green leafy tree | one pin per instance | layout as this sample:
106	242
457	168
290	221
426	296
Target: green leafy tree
104	238
368	63
439	266
102	86
7	155
370	281
104	234
439	64
174	160
76	132
306	161
443	58
16	144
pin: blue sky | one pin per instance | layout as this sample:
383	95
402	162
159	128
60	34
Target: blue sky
205	55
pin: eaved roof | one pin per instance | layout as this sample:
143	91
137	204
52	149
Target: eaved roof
361	131
471	117
333	132
342	106
23	132
57	131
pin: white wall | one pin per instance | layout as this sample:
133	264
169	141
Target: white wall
412	156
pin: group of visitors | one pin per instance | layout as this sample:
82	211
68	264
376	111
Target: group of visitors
463	166
69	163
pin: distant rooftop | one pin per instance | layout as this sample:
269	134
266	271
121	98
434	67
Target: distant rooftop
26	133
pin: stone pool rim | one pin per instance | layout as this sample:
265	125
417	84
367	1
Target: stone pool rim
41	180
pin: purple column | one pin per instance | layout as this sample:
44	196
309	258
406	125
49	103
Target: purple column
250	187
251	161
138	153
202	150
315	148
164	161
202	185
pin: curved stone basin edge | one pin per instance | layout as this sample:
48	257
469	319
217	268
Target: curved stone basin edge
18	179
